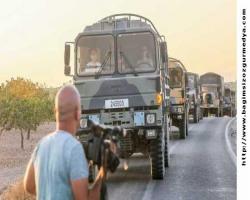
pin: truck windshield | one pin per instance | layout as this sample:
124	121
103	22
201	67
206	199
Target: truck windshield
136	52
175	77
191	81
95	55
210	89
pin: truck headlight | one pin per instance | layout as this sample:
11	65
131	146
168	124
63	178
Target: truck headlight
83	123
151	134
179	109
150	118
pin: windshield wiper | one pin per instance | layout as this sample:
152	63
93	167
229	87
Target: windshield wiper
128	62
106	58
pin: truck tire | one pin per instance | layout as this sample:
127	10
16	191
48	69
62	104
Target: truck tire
182	127
195	115
201	114
157	157
104	192
205	112
217	112
187	123
166	151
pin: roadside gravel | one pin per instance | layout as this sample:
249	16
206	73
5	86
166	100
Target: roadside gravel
13	159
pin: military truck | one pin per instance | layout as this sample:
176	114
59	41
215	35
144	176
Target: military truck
229	105
234	103
179	101
194	94
212	88
120	70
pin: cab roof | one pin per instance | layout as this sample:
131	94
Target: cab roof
122	22
178	63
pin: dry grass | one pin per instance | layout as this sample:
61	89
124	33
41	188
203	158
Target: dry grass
16	192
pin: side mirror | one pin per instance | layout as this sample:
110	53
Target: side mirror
67	60
67	70
163	49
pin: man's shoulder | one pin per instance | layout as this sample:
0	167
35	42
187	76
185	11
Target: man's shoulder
60	137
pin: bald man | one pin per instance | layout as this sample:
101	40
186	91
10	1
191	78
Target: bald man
58	168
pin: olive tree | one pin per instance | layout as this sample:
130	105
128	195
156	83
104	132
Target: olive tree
24	105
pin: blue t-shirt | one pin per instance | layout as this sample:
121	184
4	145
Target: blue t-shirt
58	159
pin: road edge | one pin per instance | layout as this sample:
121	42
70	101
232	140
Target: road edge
228	144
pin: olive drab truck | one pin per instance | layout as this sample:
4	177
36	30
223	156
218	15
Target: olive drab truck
234	103
194	94
212	88
179	102
120	70
229	105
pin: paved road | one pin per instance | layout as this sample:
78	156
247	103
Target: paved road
200	168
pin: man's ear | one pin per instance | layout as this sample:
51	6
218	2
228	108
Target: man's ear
78	114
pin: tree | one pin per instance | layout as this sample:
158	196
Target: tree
24	105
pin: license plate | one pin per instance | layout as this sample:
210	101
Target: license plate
94	118
116	103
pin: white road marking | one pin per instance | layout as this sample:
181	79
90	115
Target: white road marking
191	127
149	190
229	147
171	149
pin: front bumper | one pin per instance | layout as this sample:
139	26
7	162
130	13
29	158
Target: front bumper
129	119
209	106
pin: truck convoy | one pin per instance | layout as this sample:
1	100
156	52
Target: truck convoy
212	88
125	78
179	103
194	94
120	70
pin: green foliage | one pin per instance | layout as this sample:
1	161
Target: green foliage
24	105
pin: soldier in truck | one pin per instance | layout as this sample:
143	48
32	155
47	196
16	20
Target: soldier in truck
145	59
94	64
175	77
95	54
138	58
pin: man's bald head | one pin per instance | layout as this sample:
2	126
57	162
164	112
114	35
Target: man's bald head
67	104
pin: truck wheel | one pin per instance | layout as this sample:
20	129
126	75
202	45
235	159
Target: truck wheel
217	113
166	152
104	192
187	123
195	115
182	128
157	157
201	113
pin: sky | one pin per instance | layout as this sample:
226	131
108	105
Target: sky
202	34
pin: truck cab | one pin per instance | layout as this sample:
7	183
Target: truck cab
120	70
179	102
194	94
212	87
